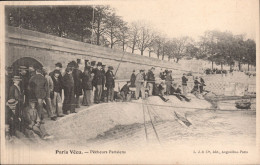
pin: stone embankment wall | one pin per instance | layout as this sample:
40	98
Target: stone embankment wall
48	50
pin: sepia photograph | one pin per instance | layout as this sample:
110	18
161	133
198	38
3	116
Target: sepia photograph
130	82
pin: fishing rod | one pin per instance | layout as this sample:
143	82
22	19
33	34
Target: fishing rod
119	63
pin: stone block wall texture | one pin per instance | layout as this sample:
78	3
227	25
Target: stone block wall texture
48	50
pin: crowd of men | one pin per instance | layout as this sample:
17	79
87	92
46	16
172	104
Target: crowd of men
33	89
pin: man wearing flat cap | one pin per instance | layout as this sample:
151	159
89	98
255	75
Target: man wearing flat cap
110	84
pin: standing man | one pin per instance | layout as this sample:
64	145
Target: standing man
103	82
16	93
110	84
56	98
97	82
150	81
139	83
168	82
24	75
87	86
38	85
184	84
58	67
48	97
132	79
77	77
69	97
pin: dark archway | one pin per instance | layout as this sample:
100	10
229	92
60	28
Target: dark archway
25	61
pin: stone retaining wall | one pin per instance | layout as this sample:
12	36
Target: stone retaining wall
48	50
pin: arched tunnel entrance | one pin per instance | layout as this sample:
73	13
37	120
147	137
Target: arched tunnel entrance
25	61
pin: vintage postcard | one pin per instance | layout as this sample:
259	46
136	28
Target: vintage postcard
130	82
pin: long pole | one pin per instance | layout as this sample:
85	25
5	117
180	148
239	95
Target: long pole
119	63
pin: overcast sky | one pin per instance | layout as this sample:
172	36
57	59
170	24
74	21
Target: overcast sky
178	18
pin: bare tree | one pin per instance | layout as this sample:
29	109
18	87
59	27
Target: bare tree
113	25
146	37
134	36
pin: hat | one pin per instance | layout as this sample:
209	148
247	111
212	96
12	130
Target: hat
33	101
11	102
56	72
92	63
196	77
110	67
22	68
68	69
133	70
99	64
152	68
17	78
184	74
58	65
72	64
141	70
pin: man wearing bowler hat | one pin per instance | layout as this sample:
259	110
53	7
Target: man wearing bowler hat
110	83
97	83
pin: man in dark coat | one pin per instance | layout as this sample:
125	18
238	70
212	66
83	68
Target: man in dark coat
110	84
132	79
38	85
150	81
8	81
77	77
104	81
58	67
24	85
68	86
97	83
176	91
184	84
168	81
56	98
125	93
202	84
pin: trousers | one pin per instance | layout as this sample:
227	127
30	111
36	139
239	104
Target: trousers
110	94
150	87
140	88
98	93
87	97
56	103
